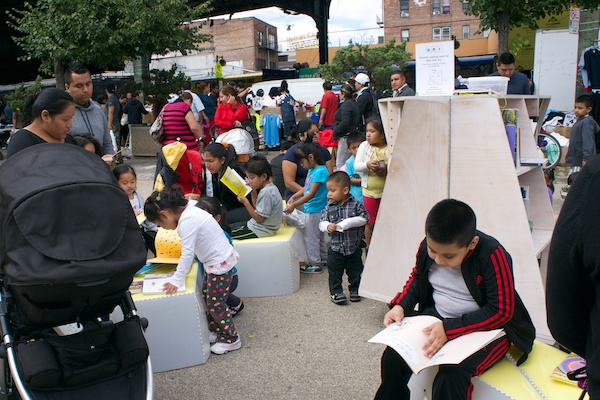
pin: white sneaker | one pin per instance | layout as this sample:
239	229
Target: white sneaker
222	348
212	337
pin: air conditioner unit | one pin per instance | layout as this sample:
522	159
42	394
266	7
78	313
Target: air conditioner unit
436	13
404	14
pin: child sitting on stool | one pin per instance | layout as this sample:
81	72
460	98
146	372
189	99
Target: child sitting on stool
464	277
266	208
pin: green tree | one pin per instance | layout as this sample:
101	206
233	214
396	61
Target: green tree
162	83
377	62
104	33
501	15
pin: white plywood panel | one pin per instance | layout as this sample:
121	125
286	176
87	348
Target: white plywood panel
482	174
555	66
417	179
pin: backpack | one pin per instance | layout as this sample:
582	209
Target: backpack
375	97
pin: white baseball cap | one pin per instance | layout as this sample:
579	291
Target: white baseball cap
361	78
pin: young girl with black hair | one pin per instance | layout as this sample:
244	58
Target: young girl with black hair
217	157
127	180
314	198
214	207
49	114
201	237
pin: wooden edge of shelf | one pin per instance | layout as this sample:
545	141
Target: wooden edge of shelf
523	169
541	239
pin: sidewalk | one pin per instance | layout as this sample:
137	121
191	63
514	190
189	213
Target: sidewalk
300	346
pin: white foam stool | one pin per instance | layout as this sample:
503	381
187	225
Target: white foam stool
177	333
270	266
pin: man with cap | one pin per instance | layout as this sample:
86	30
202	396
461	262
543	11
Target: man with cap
364	99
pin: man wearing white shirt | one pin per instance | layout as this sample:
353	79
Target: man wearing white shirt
197	105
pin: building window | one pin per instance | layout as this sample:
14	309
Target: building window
465	5
261	63
273	65
405	35
260	38
442	33
404	8
271	42
446	7
466	31
436	7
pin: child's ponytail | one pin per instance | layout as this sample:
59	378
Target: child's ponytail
308	146
169	199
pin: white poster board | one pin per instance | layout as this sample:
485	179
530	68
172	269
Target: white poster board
435	68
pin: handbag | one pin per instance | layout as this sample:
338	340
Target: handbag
156	130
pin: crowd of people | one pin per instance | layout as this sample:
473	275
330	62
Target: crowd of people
462	276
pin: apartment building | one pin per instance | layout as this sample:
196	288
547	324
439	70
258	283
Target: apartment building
421	21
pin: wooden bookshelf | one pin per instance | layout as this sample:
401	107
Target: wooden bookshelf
456	147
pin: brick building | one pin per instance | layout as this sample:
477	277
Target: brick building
428	20
249	40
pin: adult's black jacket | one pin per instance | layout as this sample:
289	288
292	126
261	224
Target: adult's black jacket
346	118
573	279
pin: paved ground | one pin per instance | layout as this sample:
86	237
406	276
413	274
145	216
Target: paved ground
299	346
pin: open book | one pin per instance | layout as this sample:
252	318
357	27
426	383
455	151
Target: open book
408	338
153	283
235	183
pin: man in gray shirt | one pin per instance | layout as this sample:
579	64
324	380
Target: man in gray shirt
89	119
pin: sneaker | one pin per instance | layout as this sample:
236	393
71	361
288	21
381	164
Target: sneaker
311	269
212	337
338	298
222	348
235	310
354	297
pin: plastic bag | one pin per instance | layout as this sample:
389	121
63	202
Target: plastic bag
295	218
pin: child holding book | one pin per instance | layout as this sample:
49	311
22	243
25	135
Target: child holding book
464	277
265	209
201	236
343	217
314	198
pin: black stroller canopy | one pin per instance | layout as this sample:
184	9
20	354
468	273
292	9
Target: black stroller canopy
61	206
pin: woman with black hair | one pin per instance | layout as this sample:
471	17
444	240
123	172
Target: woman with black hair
346	120
217	157
49	114
294	174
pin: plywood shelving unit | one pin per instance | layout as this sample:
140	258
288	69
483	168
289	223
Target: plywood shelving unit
456	147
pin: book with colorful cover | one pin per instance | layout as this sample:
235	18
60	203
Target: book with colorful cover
571	363
408	338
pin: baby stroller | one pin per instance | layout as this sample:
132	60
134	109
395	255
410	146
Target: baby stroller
70	245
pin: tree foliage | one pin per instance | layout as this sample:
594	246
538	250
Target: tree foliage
501	15
162	83
104	33
377	62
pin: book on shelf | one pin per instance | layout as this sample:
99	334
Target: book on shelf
407	339
571	363
510	117
235	182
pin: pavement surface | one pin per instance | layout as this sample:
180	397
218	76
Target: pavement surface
299	346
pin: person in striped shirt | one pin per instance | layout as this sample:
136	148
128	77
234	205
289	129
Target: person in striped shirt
464	277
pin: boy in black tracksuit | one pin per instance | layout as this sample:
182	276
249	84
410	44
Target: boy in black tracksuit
573	280
464	277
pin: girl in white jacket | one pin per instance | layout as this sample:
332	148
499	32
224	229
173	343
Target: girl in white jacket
371	163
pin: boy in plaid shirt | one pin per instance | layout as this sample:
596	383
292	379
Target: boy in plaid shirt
344	218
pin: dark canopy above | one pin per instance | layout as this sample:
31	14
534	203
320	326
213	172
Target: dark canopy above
13	71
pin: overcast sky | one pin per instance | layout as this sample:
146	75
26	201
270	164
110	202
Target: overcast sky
348	20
